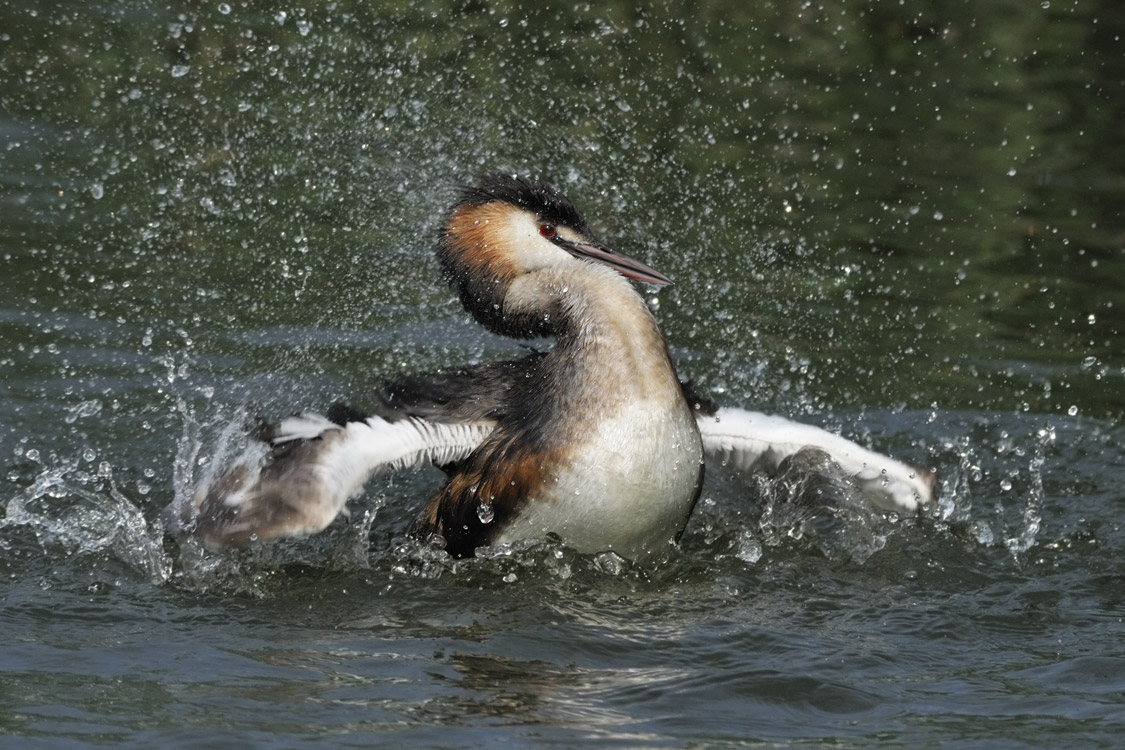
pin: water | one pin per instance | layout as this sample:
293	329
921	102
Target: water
900	222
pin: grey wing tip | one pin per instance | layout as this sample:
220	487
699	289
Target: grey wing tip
286	497
208	517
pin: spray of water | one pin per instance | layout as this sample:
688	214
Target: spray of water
83	513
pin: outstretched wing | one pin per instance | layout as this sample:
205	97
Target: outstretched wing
316	465
751	441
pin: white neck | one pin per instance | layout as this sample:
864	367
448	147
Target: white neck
603	328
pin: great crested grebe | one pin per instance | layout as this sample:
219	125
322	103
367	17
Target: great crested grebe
596	440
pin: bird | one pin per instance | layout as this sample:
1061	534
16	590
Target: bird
594	440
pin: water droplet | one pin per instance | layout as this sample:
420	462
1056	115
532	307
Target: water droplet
485	513
983	532
97	190
611	563
1072	411
179	71
748	549
224	8
82	410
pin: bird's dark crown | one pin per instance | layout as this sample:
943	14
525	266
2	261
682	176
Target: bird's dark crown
549	204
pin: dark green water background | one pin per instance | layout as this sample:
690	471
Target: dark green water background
903	221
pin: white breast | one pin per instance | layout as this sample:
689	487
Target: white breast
628	489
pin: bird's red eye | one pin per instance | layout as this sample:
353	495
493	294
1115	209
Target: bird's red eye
547	230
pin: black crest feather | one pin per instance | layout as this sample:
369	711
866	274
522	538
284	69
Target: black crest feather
548	203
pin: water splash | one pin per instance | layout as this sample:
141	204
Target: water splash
813	503
1024	536
86	513
990	473
955	500
192	467
214	437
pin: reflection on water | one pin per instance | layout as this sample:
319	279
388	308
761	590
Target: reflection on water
902	222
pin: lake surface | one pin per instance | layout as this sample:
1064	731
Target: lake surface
903	222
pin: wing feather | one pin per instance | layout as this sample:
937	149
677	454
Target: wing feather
752	441
316	466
